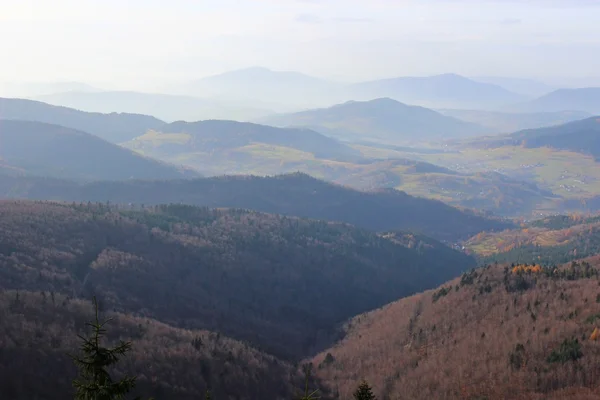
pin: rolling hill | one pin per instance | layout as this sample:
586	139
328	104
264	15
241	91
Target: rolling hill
493	333
114	127
35	148
580	136
503	122
380	119
198	143
281	283
581	99
295	194
163	106
440	91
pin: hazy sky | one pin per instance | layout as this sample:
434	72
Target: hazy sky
133	43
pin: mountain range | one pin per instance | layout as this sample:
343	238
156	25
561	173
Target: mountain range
440	91
164	106
380	119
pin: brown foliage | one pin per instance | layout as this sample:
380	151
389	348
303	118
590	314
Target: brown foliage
38	329
474	343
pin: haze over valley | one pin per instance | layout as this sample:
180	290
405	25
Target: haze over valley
299	200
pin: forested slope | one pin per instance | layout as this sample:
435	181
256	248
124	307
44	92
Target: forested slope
293	194
281	283
494	333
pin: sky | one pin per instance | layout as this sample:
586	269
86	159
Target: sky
140	43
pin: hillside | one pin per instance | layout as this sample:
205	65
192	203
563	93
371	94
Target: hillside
199	143
296	194
39	329
581	99
163	106
281	283
440	91
494	333
34	148
114	127
580	136
504	122
552	240
382	119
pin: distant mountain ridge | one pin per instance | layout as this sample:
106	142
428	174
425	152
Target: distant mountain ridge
114	127
505	122
582	136
383	118
164	106
523	86
582	99
440	91
39	149
303	91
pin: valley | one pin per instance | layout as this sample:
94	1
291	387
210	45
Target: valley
299	200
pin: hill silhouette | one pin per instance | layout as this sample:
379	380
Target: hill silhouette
114	127
34	148
214	137
294	194
383	118
524	86
281	283
164	106
580	99
440	91
504	122
580	136
493	333
277	89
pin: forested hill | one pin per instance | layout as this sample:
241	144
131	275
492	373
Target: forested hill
294	194
281	283
493	333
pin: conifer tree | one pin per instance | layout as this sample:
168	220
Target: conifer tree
95	383
307	394
364	392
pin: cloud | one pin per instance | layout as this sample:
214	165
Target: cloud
511	21
352	20
308	19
